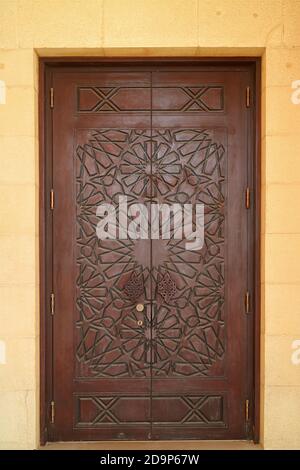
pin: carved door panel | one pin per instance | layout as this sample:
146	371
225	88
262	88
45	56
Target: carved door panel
199	370
101	358
179	368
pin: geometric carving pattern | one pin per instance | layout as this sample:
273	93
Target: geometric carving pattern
183	334
206	98
134	287
188	410
166	287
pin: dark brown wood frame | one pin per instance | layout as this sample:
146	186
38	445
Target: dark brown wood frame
45	247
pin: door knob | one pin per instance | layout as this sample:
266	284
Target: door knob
140	307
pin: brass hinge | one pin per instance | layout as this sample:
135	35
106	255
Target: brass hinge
248	97
52	412
51	98
247	198
52	199
247	404
247	302
52	303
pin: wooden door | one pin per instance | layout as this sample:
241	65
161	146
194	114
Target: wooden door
199	376
181	368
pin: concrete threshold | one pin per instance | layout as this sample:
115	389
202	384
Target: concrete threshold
153	445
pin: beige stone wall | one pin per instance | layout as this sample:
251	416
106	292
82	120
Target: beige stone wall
29	28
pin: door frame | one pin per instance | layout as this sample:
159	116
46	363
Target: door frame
46	65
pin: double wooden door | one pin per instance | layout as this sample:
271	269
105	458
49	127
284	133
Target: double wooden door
148	339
